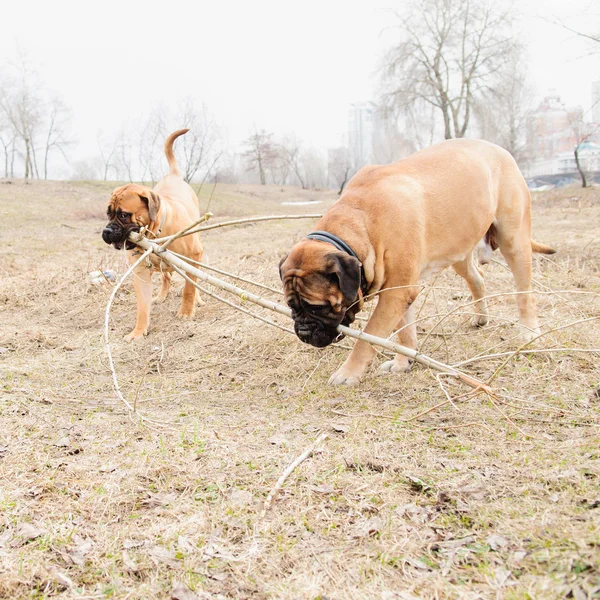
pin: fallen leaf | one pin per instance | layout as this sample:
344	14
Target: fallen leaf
133	543
417	514
278	440
128	562
417	484
240	498
78	554
340	428
27	532
61	578
495	542
578	594
325	488
5	537
371	527
161	555
185	544
180	591
501	576
161	499
457	543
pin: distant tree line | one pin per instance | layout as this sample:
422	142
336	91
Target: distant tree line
33	123
455	69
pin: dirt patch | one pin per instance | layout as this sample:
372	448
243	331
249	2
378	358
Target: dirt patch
473	500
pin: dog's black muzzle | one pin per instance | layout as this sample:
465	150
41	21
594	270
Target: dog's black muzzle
319	333
117	235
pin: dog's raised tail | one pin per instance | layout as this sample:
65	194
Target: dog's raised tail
541	249
169	151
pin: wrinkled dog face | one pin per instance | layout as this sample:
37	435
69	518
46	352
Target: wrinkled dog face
130	208
321	287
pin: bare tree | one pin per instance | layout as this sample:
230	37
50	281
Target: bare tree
7	140
583	133
124	154
291	155
150	145
502	113
21	105
261	153
58	118
108	151
338	167
200	147
32	121
593	38
450	51
314	166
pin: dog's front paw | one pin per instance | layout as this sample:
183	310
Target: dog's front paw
479	320
527	334
136	334
401	364
344	377
185	314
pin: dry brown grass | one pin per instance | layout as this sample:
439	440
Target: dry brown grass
470	501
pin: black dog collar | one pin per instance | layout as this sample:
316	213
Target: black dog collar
325	236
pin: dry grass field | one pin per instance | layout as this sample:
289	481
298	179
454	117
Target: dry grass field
477	498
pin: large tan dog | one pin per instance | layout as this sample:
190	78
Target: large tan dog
165	209
397	224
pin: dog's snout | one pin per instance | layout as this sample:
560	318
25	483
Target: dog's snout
112	234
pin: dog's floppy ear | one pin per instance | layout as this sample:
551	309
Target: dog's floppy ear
153	201
346	269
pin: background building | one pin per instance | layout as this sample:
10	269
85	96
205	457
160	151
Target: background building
361	121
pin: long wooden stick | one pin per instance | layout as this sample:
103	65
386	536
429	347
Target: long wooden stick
423	359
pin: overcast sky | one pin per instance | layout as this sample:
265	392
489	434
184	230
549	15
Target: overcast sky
278	65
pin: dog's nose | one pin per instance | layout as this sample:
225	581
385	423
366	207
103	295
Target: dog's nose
112	234
106	235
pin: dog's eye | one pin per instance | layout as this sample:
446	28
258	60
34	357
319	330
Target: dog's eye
124	215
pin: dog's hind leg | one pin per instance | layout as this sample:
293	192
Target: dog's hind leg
188	300
516	249
191	295
471	273
165	287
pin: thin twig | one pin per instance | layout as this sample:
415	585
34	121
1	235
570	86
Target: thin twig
290	469
106	321
225	301
537	337
186	231
248	220
221	272
470	361
132	409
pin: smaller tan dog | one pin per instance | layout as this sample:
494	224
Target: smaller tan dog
164	210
